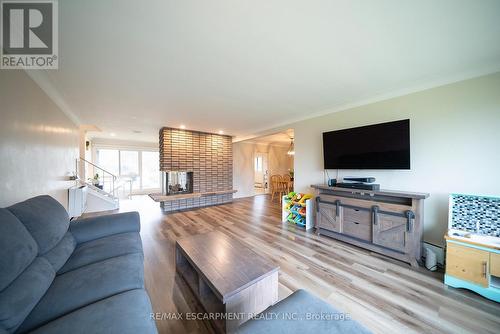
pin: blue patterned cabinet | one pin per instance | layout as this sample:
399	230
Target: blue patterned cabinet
475	214
473	245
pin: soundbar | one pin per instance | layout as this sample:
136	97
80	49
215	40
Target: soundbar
364	186
360	179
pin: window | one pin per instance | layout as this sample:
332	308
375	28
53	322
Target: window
109	160
129	167
150	170
129	163
140	166
258	164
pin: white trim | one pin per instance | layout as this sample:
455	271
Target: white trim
256	142
124	144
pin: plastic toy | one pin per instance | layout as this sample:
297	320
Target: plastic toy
294	208
299	220
304	198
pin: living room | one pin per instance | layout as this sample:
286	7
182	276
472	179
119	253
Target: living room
222	167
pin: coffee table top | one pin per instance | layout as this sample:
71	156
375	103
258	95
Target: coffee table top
227	265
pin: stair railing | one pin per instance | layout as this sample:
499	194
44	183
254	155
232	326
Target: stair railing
85	168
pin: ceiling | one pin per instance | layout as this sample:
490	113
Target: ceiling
246	66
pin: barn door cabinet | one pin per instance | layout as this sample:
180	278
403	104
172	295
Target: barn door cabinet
387	222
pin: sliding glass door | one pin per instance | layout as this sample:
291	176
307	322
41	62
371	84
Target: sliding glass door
109	160
150	170
139	166
129	168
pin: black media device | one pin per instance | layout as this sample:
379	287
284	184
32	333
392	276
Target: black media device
355	185
378	146
360	179
332	182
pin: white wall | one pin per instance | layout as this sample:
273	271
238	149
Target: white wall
279	161
243	171
455	144
243	164
38	142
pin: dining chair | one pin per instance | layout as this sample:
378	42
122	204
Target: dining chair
276	186
287	183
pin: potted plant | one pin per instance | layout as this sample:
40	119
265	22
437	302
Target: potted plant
96	181
290	171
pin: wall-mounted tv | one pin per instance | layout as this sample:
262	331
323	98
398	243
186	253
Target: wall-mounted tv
378	146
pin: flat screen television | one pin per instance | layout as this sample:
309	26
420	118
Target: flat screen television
378	146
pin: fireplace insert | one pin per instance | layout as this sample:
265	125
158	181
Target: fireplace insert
176	183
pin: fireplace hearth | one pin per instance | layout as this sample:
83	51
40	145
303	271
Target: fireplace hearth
176	183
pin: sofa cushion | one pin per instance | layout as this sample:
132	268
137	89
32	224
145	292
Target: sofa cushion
125	313
87	229
17	246
21	296
102	249
301	313
58	255
45	218
81	287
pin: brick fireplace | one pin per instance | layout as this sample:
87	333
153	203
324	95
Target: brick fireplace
176	183
197	169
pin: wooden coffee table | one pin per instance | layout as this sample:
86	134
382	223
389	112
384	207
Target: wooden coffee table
227	277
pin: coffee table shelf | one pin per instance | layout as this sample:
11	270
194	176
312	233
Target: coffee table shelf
227	277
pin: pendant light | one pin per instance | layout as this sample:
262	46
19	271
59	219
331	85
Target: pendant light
291	149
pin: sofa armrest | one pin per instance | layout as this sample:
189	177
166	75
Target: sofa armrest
87	229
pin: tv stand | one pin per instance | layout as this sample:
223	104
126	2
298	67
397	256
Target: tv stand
384	221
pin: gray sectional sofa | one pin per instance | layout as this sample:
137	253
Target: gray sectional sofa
302	313
83	276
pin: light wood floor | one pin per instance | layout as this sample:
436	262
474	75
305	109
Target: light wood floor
384	295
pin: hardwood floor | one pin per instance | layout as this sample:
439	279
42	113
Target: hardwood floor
384	295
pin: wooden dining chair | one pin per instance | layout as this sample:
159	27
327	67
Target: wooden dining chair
276	186
287	183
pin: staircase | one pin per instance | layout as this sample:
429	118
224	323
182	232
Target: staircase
103	191
100	200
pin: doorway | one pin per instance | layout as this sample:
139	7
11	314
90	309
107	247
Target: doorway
257	159
261	173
